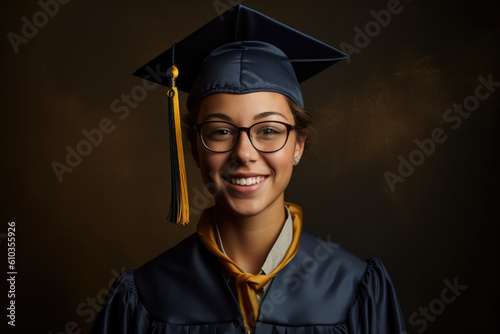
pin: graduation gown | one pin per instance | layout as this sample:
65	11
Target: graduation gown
323	289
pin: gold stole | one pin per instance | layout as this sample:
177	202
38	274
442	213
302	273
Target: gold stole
247	284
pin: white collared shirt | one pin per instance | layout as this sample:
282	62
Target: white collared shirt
274	257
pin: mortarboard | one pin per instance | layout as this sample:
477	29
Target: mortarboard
239	52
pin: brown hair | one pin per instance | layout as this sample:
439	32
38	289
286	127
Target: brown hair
303	120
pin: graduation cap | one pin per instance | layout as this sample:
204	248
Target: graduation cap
241	51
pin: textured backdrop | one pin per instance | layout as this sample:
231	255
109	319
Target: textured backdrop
404	168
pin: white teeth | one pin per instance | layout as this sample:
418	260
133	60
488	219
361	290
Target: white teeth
248	181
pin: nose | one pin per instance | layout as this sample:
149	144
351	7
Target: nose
244	152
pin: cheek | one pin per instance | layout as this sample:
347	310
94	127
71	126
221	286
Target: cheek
210	163
282	161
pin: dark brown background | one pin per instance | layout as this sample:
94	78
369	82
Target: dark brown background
109	213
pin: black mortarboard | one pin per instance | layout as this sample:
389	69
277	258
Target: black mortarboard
239	52
221	66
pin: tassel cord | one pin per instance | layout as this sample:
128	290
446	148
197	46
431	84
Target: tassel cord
179	206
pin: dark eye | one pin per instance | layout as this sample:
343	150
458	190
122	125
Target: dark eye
220	132
269	131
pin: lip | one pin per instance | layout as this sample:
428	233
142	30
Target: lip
246	175
244	190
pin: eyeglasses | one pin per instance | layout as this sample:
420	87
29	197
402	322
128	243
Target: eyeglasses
266	137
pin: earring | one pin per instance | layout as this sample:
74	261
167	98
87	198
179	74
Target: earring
296	161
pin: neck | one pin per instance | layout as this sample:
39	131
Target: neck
247	240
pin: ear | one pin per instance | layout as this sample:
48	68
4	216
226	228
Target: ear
299	145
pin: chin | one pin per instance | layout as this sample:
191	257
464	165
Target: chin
243	207
248	207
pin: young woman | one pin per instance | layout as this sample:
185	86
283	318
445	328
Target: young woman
250	268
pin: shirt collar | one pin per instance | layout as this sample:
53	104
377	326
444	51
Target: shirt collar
279	249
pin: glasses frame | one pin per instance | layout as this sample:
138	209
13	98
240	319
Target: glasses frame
289	128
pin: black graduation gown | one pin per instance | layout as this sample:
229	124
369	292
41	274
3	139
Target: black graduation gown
323	289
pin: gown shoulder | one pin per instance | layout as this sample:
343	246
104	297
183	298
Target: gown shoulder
122	311
175	292
376	308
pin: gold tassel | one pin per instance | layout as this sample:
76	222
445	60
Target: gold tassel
179	207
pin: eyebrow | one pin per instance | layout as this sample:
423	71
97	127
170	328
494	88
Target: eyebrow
268	114
218	115
257	117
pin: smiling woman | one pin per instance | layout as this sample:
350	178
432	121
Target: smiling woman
243	157
250	268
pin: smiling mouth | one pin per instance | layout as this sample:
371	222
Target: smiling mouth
249	181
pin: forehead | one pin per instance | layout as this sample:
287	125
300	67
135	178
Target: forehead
245	108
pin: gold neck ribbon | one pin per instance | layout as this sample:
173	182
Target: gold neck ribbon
247	284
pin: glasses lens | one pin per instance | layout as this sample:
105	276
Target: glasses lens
219	136
269	136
